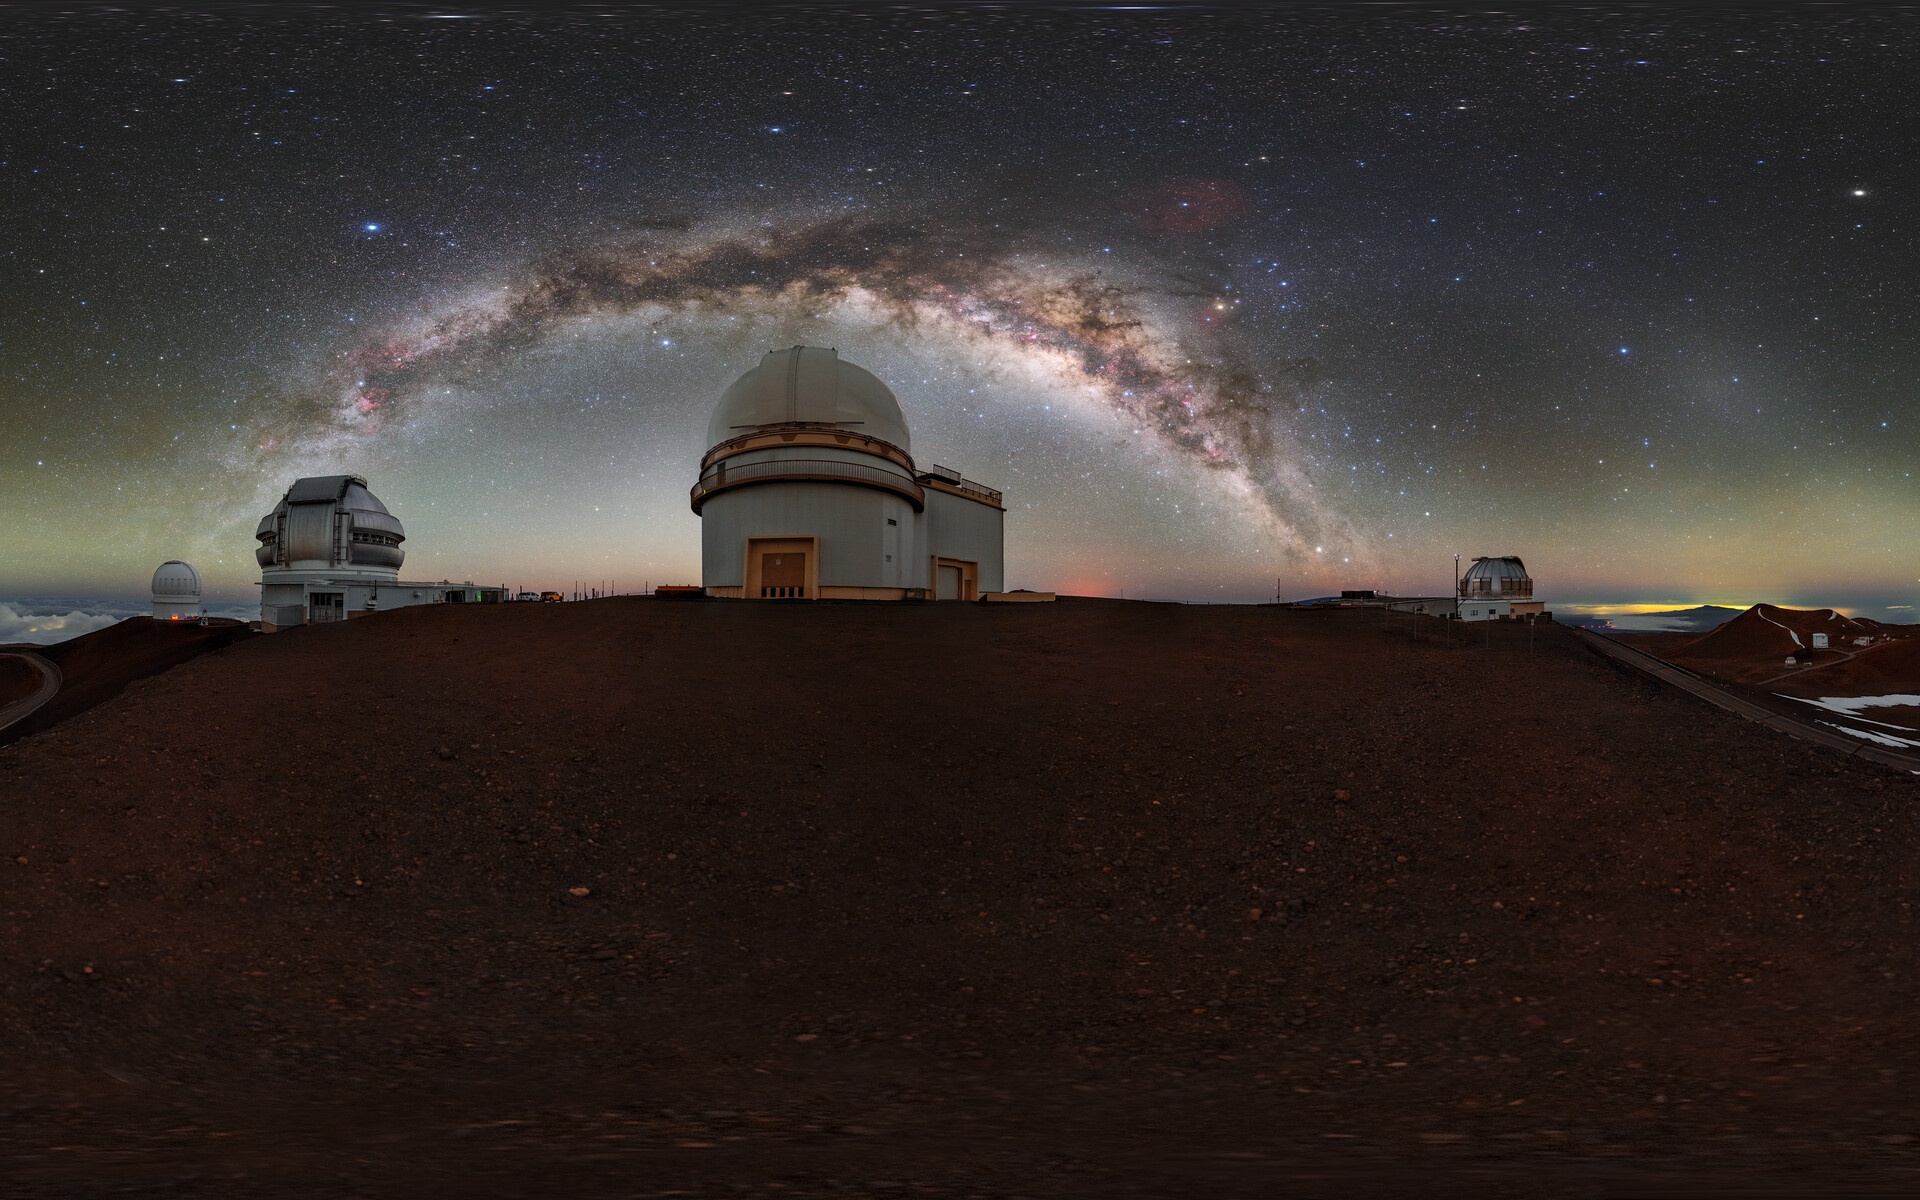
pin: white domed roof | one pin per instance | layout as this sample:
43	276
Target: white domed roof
808	385
176	580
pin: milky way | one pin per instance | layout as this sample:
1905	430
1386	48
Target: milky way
1233	301
952	287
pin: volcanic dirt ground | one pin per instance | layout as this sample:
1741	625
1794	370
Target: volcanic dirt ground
640	898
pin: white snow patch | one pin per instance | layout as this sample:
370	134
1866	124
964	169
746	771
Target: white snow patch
1851	705
1769	620
1868	735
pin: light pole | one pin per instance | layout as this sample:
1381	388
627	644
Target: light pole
1451	617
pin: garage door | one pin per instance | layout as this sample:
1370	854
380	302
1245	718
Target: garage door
783	575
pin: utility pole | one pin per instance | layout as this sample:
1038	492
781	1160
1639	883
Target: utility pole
1455	614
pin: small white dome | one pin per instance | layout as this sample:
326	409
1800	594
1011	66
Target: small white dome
176	580
176	592
808	385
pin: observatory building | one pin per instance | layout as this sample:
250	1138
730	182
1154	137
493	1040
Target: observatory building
1494	588
176	592
330	551
808	491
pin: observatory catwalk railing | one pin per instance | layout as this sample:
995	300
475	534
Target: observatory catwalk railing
724	475
949	476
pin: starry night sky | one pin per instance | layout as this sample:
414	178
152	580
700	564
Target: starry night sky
1220	298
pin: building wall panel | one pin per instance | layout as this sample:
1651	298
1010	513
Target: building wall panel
963	529
310	534
851	523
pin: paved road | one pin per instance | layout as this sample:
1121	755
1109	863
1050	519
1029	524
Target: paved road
50	681
1687	681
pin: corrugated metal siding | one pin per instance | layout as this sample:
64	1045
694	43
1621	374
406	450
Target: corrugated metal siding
959	528
368	555
851	523
318	487
377	522
309	533
357	496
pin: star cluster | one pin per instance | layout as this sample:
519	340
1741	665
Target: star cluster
1219	297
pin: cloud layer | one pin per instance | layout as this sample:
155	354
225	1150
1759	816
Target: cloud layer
44	622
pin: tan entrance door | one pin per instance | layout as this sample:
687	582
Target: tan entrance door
783	575
948	585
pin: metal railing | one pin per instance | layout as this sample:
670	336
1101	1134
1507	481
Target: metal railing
726	474
955	479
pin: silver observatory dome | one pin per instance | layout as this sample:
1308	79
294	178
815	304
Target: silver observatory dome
1503	578
330	521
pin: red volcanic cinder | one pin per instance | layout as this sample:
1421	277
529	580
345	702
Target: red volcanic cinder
1193	205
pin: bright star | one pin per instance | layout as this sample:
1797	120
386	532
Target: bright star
373	229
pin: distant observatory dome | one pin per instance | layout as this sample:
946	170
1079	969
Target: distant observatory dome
1504	578
811	386
176	592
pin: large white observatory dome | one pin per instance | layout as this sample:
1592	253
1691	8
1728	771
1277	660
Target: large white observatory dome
330	521
808	491
176	592
806	385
